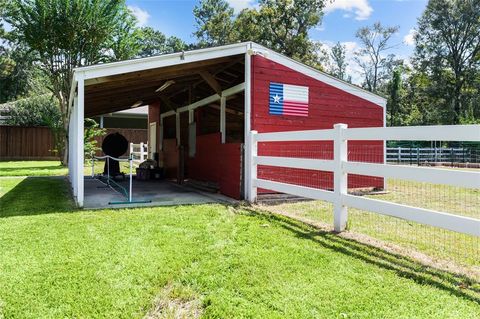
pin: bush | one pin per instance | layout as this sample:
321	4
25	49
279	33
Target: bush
40	110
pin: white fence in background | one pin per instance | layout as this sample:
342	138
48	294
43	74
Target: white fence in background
340	166
419	155
139	152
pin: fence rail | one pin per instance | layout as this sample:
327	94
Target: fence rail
139	151
416	155
341	167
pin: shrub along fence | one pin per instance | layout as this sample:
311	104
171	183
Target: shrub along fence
37	143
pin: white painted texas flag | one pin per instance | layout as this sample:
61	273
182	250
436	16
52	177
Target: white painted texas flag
287	99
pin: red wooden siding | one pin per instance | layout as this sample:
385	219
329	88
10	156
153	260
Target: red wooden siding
169	156
327	106
216	162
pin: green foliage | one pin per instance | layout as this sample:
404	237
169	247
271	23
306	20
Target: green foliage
69	34
126	40
395	95
214	19
154	42
281	25
41	110
448	50
338	66
376	64
92	130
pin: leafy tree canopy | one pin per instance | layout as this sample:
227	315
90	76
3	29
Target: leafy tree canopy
69	34
281	25
448	49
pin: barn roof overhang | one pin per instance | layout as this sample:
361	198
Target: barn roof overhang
175	79
193	75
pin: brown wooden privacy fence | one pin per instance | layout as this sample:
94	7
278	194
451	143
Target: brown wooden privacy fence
37	143
26	143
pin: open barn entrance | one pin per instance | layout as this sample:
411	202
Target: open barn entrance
196	128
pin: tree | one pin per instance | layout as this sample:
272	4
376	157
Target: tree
39	110
154	42
285	25
339	63
214	19
448	49
92	130
66	35
372	57
394	99
281	25
6	63
126	39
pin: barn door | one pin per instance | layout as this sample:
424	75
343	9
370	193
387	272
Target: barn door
152	140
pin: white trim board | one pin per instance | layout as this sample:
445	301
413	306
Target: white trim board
121	67
128	66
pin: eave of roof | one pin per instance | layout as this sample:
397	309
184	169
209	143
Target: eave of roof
120	67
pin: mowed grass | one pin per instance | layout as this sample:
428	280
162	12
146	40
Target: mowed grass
437	243
32	168
232	262
50	168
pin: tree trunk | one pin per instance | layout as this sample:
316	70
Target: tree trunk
457	107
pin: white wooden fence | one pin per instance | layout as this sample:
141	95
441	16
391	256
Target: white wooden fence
139	151
340	166
418	155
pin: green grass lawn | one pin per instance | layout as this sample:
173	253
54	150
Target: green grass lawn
32	168
435	242
49	168
213	260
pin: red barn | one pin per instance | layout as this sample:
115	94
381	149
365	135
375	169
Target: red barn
203	104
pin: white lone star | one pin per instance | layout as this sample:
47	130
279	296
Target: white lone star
276	99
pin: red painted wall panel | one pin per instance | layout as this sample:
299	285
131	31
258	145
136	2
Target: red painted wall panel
327	106
169	156
216	162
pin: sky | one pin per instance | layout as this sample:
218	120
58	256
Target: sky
341	20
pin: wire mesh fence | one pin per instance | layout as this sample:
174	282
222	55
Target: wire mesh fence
437	244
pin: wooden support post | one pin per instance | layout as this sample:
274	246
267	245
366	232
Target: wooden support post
223	102
161	133
253	172
79	141
340	180
191	117
177	126
247	119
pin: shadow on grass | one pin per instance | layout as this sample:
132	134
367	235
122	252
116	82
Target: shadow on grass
35	196
405	267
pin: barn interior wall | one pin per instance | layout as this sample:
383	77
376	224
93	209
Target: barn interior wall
327	106
213	161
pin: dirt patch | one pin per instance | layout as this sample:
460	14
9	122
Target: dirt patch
176	302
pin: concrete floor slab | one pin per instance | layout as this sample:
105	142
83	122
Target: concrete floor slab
160	193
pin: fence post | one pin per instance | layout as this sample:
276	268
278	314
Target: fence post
399	155
340	179
142	155
252	194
